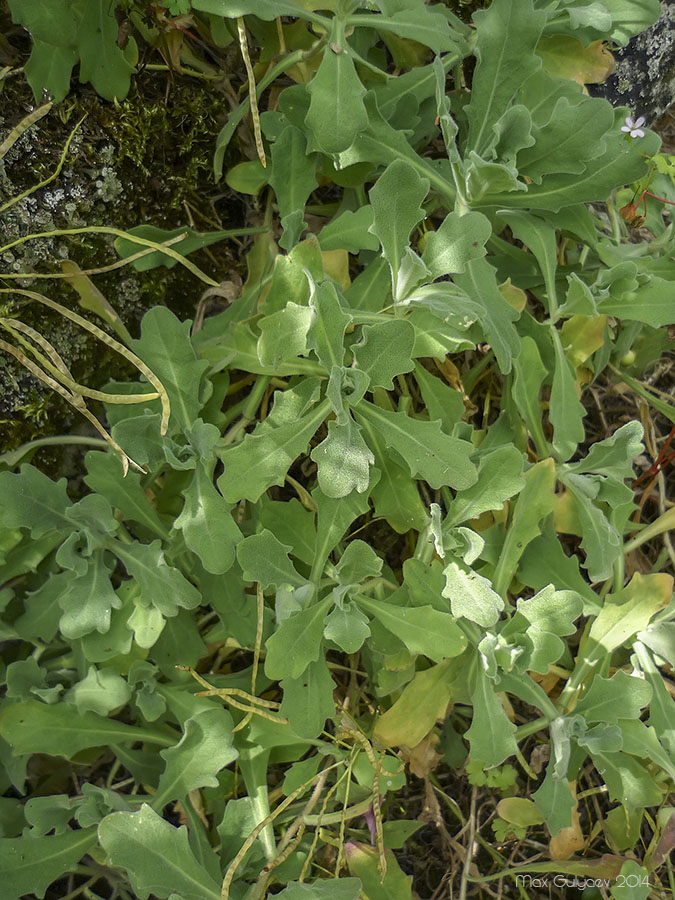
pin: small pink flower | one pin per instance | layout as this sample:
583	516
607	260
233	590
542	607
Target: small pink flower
634	127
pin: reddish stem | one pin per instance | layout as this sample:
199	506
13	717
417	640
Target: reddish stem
660	462
655	196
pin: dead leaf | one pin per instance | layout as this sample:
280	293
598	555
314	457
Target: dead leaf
423	758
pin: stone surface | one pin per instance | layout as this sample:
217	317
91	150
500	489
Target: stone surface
644	79
147	160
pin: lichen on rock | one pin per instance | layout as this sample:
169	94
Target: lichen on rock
644	78
146	160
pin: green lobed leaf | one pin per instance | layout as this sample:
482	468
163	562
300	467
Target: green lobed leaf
566	412
573	136
540	239
105	476
263	459
283	334
498	315
617	21
204	749
46	813
54	22
308	700
156	856
295	523
491	735
370	289
336	111
507	34
293	179
347	627
619	164
500	476
30	864
161	585
101	691
289	279
49	68
421	23
629	611
555	801
329	321
422	629
350	231
102	62
628	781
264	560
384	351
302	631
662	708
514	133
471	595
358	562
601	540
166	348
32	726
209	529
552	610
610	699
382	144
443	403
651	303
436	337
535	502
343	460
334	516
457	241
87	600
430	454
615	455
396	200
32	500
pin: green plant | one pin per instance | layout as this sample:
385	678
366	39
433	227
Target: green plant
323	511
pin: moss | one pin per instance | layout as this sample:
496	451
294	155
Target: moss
148	159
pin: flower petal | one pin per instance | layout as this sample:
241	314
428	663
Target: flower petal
640	121
637	132
629	122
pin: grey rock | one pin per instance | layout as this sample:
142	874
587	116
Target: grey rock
644	79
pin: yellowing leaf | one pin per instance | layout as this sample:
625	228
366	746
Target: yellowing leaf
519	811
565	515
630	611
582	336
415	712
514	296
336	266
565	56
